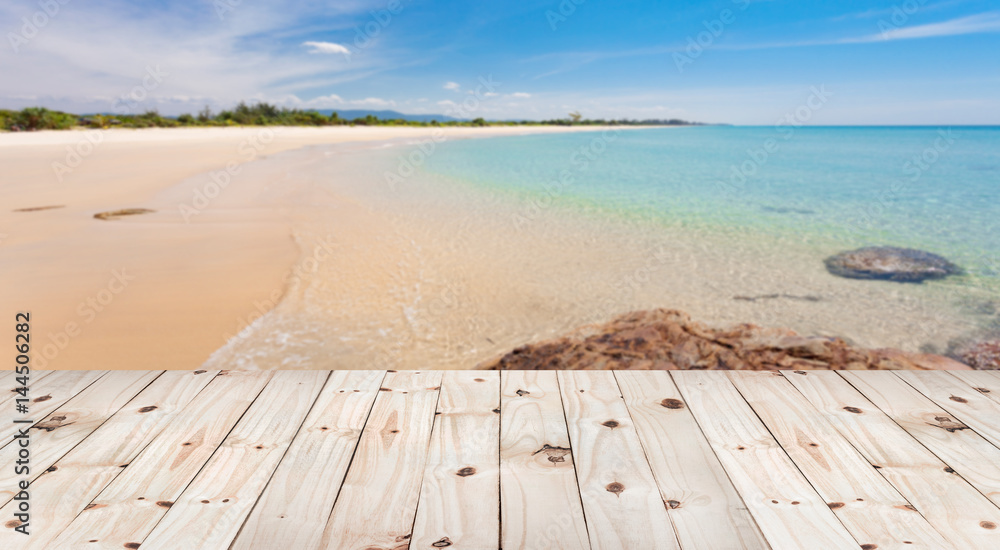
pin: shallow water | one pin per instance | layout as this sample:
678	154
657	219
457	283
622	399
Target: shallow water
444	255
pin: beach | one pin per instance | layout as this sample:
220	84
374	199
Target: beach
340	249
162	290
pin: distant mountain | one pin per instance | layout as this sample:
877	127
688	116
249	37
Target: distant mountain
386	115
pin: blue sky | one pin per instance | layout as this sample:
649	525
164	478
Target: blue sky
904	62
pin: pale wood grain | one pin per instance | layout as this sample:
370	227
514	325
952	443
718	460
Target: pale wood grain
131	505
59	496
873	510
970	406
71	423
951	505
294	509
986	382
10	384
215	504
963	450
620	499
47	395
540	498
701	501
378	499
763	474
460	497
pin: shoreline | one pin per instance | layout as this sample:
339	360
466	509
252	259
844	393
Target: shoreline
127	293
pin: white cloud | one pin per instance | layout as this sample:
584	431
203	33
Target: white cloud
520	95
452	86
973	24
326	47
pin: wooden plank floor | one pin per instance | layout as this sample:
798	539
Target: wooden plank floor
487	460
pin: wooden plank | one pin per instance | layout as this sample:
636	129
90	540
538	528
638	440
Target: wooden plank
378	499
540	498
213	507
951	505
130	506
8	390
48	394
59	496
970	406
759	468
986	382
868	505
460	497
963	450
620	499
71	423
702	503
295	507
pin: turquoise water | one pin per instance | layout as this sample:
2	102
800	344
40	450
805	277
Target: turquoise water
932	188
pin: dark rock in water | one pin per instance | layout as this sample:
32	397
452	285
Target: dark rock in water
904	265
664	339
786	210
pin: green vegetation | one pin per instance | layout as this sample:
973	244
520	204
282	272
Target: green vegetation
265	114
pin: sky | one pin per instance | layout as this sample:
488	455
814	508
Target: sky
928	62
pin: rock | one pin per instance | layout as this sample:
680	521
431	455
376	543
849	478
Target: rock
665	339
904	265
983	355
115	214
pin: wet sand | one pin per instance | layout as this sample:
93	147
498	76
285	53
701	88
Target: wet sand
160	290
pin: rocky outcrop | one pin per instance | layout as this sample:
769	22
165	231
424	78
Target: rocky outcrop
981	355
904	265
665	339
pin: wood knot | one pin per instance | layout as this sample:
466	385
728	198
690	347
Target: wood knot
949	469
204	502
610	424
854	410
673	504
401	538
384	389
672	403
148	409
909	507
496	411
957	399
132	545
522	393
795	503
12	524
466	472
164	503
982	390
200	372
42	398
478	380
444	542
835	505
802	372
987	525
52	468
615	487
555	454
869	546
